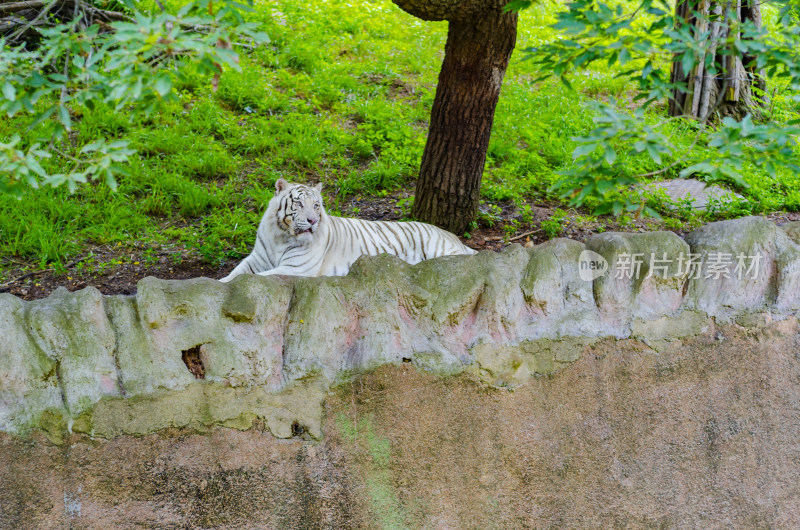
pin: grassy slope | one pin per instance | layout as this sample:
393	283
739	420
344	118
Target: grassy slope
342	94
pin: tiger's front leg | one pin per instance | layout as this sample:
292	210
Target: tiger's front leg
284	271
242	268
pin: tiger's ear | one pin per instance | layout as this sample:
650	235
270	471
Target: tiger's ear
318	187
281	184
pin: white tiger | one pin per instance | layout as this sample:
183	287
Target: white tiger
296	237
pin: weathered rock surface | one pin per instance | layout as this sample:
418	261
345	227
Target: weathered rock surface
667	383
645	281
690	193
507	316
766	272
792	230
702	433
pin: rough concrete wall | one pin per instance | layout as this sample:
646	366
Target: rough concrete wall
271	347
702	433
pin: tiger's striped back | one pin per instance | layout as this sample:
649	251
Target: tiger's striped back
410	241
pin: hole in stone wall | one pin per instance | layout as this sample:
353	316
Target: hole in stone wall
297	429
191	358
406	359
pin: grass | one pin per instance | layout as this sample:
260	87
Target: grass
342	94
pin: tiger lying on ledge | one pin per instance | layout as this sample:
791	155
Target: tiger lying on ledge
296	237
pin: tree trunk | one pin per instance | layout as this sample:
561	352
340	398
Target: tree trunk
480	40
476	57
720	84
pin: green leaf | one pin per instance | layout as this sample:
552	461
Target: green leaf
258	36
63	116
610	155
163	84
583	150
93	146
688	61
9	92
701	167
654	154
603	186
656	12
41	118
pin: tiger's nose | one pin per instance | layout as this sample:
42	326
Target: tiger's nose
311	220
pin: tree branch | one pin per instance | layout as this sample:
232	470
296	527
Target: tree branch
42	14
13	7
436	10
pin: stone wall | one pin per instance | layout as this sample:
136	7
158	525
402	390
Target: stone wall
271	347
198	360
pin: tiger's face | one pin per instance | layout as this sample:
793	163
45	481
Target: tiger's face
299	208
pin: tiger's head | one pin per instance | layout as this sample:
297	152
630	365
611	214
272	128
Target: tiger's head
299	208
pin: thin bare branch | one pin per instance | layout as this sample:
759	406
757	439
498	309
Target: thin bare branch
13	7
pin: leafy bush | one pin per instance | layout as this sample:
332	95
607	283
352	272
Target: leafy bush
639	41
131	67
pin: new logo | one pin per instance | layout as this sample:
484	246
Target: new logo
591	265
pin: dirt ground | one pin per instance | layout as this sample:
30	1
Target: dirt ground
30	283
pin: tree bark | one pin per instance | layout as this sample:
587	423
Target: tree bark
477	52
720	84
433	10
